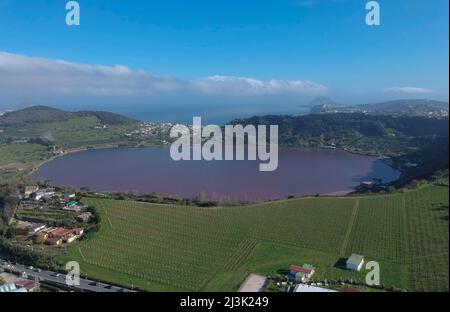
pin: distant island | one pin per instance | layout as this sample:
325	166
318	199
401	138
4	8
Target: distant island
412	107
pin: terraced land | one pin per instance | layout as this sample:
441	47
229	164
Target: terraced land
162	247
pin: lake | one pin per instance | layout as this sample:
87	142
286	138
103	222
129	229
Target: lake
301	171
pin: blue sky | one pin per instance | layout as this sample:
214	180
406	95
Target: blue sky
304	47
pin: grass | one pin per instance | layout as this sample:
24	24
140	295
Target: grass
81	132
22	153
162	247
72	133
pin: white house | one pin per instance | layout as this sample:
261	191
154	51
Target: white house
37	228
355	262
47	193
30	190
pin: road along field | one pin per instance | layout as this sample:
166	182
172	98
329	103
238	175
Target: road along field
162	247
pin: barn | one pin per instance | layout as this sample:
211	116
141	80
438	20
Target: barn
355	262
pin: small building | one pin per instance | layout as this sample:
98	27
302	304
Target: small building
30	286
11	288
37	228
45	194
70	239
301	274
30	190
355	262
56	232
85	217
69	195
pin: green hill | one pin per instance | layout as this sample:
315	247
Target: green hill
44	114
34	114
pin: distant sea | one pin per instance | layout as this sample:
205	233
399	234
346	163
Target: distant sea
210	114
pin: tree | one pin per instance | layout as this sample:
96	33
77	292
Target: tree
9	200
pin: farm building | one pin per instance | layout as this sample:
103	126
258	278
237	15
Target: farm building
45	194
355	262
56	232
301	274
30	190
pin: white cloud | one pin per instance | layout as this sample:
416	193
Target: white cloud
33	75
408	90
18	72
244	86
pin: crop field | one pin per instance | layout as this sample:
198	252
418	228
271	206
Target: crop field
163	247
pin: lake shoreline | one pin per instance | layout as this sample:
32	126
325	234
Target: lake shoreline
338	193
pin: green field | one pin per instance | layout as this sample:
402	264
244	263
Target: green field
160	247
22	153
72	133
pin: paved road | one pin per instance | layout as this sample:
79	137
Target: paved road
49	276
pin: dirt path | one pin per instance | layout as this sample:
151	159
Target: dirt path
349	229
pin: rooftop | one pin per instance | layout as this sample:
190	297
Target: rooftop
355	259
299	269
308	289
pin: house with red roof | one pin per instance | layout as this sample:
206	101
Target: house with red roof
30	286
301	273
56	232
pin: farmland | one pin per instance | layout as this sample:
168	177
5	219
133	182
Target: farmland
164	247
